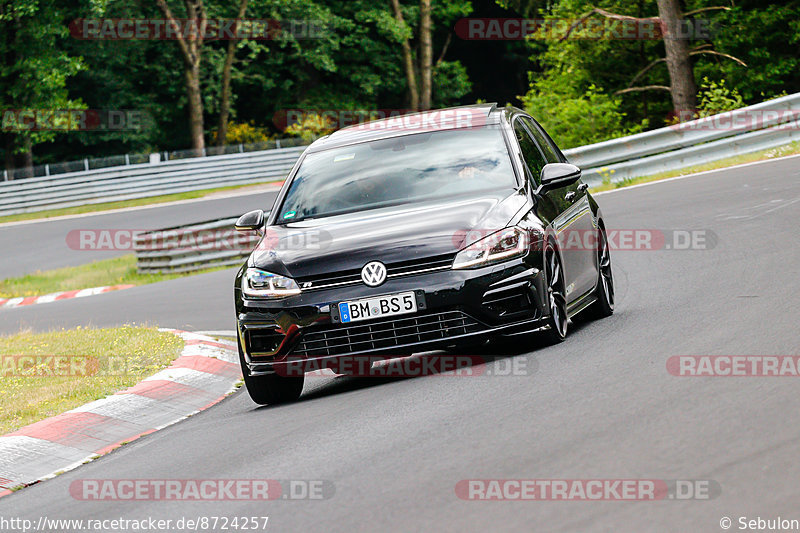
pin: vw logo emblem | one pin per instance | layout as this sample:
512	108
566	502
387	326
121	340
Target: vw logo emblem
373	273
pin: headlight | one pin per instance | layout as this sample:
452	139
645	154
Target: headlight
257	283
499	246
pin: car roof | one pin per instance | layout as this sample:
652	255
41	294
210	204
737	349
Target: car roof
409	124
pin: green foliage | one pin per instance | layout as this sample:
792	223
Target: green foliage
716	97
311	127
244	134
451	81
574	119
34	68
354	61
766	36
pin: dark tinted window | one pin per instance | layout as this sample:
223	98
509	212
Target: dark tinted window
530	153
399	170
545	143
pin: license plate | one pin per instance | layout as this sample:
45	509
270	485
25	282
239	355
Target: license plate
380	306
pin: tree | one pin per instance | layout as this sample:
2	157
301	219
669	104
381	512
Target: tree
672	22
426	54
34	71
418	63
191	46
408	58
682	85
225	96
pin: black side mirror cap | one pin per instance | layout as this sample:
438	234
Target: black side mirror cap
251	221
555	175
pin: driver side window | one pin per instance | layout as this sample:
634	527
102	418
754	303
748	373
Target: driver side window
531	155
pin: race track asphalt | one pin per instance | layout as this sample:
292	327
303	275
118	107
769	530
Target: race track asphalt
42	245
599	406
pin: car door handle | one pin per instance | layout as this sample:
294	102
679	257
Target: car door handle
583	187
570	196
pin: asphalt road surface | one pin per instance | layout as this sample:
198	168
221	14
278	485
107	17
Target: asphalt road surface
31	246
200	302
599	406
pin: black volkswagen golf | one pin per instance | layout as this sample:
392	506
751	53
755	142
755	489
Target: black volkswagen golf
414	233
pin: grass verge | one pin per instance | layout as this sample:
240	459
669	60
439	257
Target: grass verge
115	271
772	153
95	363
91	208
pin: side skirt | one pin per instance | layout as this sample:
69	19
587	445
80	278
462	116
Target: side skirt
581	304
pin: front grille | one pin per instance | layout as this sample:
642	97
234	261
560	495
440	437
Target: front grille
389	333
407	267
393	270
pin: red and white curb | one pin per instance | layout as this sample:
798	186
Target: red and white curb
56	296
205	373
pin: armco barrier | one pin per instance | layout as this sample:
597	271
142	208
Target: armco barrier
193	247
757	127
694	155
142	181
761	115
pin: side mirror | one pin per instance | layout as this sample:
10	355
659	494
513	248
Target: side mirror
251	221
555	175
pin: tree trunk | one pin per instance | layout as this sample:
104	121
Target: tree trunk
225	97
426	54
9	154
27	157
191	49
192	73
679	64
408	61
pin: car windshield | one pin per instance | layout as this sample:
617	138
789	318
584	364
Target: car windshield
399	170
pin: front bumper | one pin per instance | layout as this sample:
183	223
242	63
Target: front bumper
456	305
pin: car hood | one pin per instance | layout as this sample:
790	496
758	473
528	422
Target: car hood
329	245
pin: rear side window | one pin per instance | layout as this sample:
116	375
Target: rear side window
550	152
530	153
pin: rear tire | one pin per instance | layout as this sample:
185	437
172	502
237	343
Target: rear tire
271	389
604	306
556	296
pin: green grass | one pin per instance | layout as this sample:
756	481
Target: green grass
101	362
780	151
115	271
91	208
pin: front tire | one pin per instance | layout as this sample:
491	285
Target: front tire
604	306
271	389
556	296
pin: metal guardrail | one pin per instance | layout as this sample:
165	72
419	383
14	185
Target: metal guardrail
86	164
686	134
753	141
761	126
145	180
193	247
